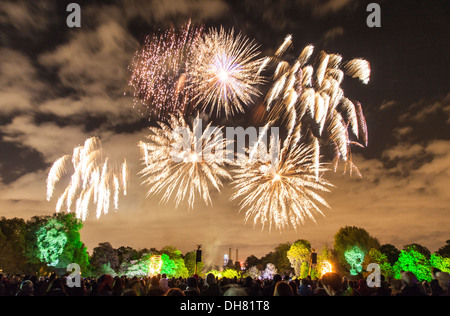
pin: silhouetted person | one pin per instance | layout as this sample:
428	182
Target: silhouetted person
174	292
26	289
211	288
282	289
155	289
332	283
268	290
191	287
410	286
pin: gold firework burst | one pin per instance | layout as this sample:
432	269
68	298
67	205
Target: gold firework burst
93	180
322	110
279	185
225	72
184	161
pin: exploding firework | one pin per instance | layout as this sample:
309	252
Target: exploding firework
225	72
155	265
279	186
159	72
322	110
93	180
178	158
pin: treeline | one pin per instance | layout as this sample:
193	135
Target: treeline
46	244
353	250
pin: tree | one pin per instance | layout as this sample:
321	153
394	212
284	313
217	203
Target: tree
253	272
179	268
354	257
281	260
74	251
251	261
56	238
376	256
349	237
269	272
104	254
444	251
12	245
190	259
325	259
391	253
230	273
414	261
442	263
299	253
51	240
173	267
422	249
126	255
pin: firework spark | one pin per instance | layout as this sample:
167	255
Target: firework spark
225	72
184	160
92	181
323	111
159	72
279	186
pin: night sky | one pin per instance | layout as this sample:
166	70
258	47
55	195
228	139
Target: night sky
61	85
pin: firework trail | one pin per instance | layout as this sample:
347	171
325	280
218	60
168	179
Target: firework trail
159	72
184	160
225	72
93	180
325	115
279	186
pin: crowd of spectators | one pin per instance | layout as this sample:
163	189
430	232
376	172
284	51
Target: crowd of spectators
330	284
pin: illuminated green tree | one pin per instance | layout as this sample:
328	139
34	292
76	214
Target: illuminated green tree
51	240
414	261
417	247
75	251
346	239
168	266
376	256
45	237
173	265
442	263
354	257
